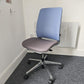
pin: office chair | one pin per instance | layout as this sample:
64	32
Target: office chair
48	35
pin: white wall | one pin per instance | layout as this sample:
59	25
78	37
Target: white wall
12	33
72	12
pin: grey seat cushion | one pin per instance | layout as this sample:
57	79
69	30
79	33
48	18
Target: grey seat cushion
38	44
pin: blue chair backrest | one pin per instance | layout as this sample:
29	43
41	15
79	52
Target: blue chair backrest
48	24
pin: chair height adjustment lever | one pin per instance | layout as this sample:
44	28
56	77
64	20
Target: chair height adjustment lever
50	50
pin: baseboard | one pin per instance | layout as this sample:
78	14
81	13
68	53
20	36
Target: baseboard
67	51
9	70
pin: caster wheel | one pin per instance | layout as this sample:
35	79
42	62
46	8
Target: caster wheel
51	81
61	66
26	77
28	62
43	67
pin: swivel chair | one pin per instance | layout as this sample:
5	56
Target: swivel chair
48	35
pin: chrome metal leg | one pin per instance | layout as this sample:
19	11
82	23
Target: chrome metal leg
34	59
36	66
50	62
50	75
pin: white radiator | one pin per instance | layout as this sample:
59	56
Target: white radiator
69	34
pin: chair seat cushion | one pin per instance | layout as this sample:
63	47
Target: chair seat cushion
38	44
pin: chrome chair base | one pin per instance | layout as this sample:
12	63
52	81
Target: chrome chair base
43	62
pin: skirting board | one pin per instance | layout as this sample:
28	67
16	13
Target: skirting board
67	51
9	70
